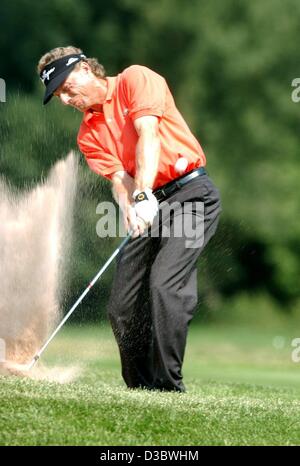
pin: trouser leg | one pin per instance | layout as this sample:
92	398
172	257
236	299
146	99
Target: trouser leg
129	311
173	284
154	295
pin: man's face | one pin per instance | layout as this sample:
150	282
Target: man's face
80	90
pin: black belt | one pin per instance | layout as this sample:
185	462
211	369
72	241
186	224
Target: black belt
165	191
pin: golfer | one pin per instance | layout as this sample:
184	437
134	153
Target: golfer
133	135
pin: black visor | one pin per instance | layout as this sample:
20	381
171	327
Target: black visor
54	74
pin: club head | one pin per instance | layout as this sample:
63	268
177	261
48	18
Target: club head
13	368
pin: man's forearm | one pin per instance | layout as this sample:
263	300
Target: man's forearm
122	188
147	158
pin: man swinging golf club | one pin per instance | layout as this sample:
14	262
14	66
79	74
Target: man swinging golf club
132	134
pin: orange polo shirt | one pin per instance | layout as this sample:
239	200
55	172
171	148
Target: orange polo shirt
108	140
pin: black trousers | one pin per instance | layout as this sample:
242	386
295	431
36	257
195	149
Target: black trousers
154	292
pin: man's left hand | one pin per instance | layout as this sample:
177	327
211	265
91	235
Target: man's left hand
146	208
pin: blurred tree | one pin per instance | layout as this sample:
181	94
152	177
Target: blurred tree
29	28
232	64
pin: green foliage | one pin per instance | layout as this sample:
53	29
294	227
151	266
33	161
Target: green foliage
255	310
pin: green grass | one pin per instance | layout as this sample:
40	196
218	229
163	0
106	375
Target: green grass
241	391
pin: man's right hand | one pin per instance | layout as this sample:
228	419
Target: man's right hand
122	189
132	222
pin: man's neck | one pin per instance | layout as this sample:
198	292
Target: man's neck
102	85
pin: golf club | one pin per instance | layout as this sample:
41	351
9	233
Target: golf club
28	367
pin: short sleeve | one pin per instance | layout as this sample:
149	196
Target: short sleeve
101	162
145	91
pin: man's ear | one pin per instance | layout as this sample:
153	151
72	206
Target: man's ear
85	67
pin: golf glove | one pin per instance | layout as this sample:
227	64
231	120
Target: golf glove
145	205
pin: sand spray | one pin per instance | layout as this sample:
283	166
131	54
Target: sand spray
35	242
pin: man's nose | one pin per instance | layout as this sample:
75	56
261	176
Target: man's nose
65	98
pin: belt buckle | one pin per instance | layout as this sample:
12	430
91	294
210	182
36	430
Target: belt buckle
160	194
163	192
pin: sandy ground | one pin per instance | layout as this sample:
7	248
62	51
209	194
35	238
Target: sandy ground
58	374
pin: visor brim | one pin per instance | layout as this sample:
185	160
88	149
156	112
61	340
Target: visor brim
55	83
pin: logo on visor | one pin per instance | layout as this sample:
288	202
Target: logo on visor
71	60
46	74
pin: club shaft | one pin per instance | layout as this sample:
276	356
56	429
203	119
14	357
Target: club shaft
101	271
